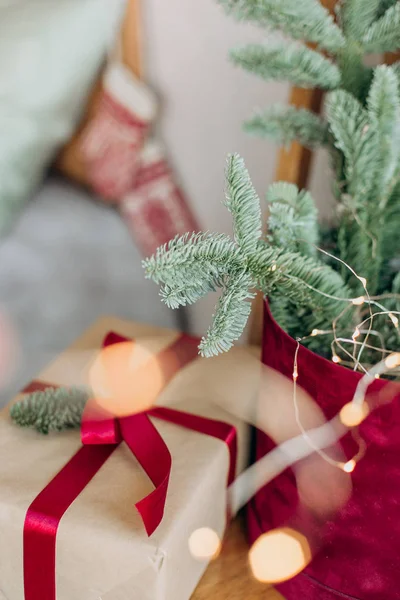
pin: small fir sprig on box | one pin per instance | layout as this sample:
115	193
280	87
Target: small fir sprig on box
51	410
360	129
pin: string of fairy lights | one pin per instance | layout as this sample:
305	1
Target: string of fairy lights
354	412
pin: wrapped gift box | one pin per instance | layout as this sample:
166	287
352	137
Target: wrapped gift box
102	549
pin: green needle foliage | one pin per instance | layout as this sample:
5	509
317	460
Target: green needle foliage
190	266
384	34
292	62
306	20
55	409
357	16
292	222
286	124
360	128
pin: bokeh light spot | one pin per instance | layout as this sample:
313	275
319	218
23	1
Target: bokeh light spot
204	544
126	378
353	414
279	555
393	360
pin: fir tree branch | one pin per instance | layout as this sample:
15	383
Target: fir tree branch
384	34
249	263
384	111
232	312
357	138
292	222
396	70
291	62
390	243
286	124
356	76
204	277
173	261
306	20
243	203
357	16
304	281
55	409
383	6
396	284
359	247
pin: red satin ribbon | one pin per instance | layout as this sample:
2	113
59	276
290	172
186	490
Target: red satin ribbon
101	436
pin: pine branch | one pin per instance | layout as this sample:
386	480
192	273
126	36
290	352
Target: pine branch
55	409
306	20
292	222
396	284
304	281
249	263
232	312
390	243
384	111
286	124
384	34
355	75
396	70
174	261
357	16
383	6
357	138
286	315
204	277
243	203
285	61
359	248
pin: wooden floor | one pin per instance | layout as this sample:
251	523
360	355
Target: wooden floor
229	577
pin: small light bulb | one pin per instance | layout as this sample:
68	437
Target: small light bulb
358	301
353	414
273	268
356	333
394	319
295	374
349	466
336	358
363	281
393	360
377	376
315	332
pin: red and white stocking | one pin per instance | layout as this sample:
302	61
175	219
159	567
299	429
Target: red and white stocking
155	209
123	166
114	138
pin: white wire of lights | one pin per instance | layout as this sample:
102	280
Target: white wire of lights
353	413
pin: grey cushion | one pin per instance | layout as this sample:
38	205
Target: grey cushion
68	261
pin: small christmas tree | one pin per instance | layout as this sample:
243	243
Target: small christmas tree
361	130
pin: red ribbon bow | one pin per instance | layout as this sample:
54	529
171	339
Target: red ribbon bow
100	438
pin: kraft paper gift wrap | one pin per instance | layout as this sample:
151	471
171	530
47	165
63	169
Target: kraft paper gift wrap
102	550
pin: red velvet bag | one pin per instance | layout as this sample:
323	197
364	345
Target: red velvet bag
359	554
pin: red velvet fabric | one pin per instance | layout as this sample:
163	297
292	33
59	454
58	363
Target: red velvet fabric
359	554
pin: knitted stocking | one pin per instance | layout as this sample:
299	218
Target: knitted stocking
126	168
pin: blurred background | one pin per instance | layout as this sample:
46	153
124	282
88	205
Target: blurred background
65	256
